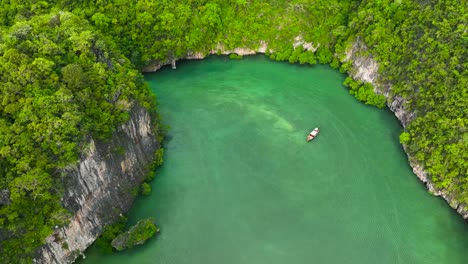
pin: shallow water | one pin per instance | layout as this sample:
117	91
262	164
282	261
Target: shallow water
240	185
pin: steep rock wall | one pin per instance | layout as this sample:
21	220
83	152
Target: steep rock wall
365	68
99	188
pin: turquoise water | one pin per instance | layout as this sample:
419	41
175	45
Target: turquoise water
240	185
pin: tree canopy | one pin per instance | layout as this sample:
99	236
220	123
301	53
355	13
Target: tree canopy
69	75
61	83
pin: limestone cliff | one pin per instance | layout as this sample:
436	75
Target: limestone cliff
365	68
222	50
99	188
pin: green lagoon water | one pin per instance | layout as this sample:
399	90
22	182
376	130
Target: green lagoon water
241	185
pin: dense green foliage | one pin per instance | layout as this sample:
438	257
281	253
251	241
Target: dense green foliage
109	233
235	56
160	30
136	235
365	92
422	48
63	81
145	189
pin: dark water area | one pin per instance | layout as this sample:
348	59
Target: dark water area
241	185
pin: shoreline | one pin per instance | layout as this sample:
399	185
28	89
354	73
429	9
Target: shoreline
365	68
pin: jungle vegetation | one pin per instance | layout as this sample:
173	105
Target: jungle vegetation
136	235
69	70
61	83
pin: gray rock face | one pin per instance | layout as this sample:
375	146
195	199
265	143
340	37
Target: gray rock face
365	68
99	188
4	197
222	50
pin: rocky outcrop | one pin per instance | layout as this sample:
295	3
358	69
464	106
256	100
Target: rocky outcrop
136	235
461	208
220	49
99	188
365	68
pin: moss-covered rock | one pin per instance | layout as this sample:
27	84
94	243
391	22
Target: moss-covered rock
137	235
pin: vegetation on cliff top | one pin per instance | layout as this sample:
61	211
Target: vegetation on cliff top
65	77
61	83
422	51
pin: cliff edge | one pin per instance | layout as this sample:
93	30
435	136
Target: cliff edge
99	188
365	68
